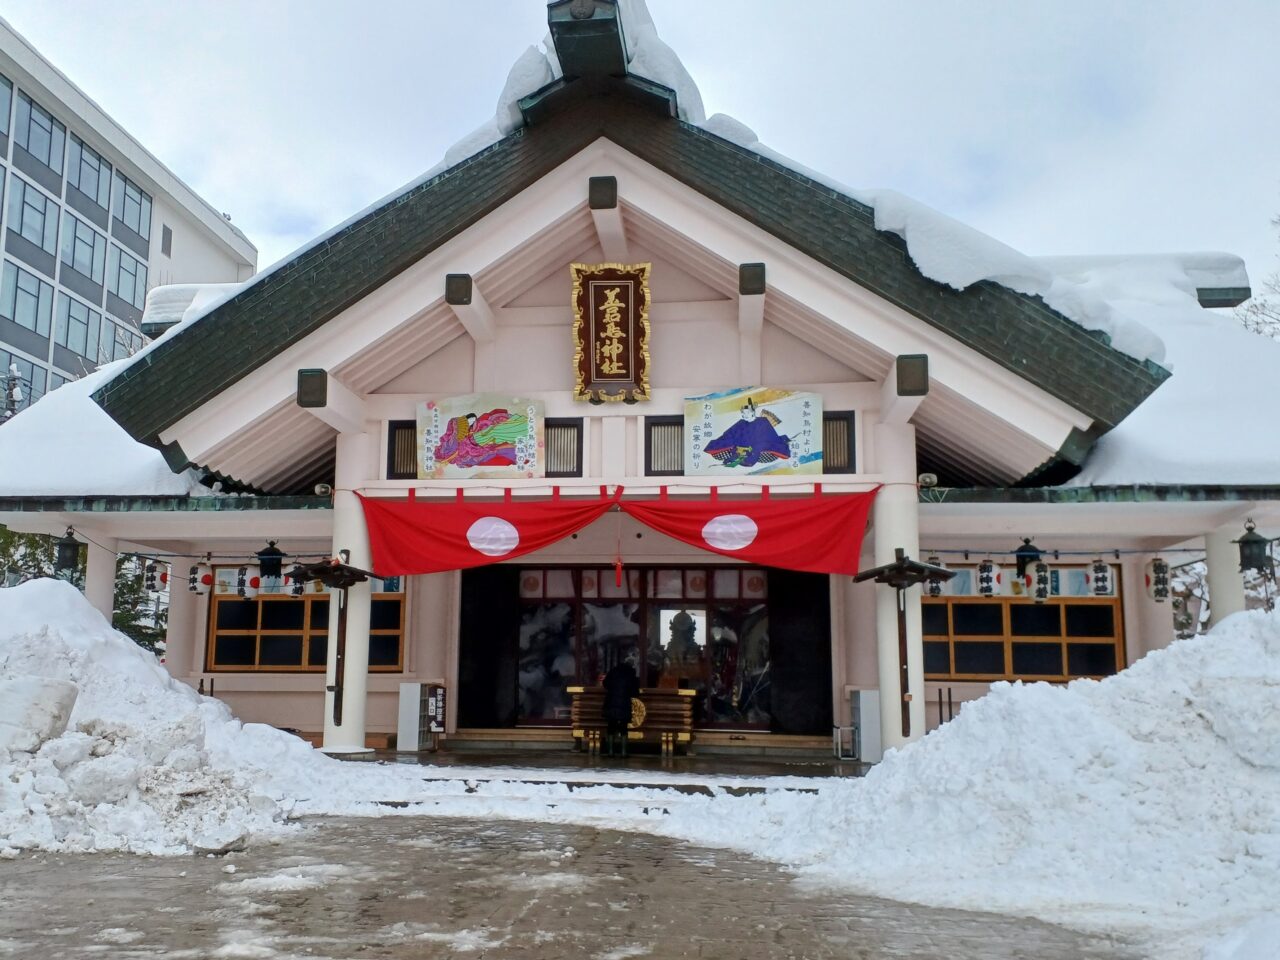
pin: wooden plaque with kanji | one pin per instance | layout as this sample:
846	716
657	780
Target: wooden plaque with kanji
611	331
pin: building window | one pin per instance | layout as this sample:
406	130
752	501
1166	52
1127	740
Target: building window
166	240
39	134
33	216
131	205
26	299
126	277
118	342
84	249
402	450
1013	638
88	172
6	104
31	382
664	446
563	446
78	328
57	380
837	442
277	631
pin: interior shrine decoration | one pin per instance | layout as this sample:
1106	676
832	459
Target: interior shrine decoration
610	331
753	431
484	435
815	533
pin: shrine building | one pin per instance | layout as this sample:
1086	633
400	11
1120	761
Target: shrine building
621	386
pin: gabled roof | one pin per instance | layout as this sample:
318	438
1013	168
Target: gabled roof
1016	331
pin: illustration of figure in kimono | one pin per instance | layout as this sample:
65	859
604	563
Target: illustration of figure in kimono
486	440
752	440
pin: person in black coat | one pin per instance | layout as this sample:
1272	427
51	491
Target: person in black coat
620	684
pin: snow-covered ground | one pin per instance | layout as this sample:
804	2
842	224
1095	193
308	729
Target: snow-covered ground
1148	803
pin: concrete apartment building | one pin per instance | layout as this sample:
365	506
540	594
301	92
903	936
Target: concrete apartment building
90	222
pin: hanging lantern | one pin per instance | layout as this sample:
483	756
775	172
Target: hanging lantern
1099	578
1037	581
68	553
1026	555
1157	579
248	581
1253	550
990	578
200	578
271	560
156	576
935	586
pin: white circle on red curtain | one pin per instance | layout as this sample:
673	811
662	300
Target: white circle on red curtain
493	536
730	531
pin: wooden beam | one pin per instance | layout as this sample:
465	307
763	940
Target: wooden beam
602	198
751	288
905	388
328	399
470	307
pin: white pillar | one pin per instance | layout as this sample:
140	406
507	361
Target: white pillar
179	634
1222	560
100	575
897	524
354	462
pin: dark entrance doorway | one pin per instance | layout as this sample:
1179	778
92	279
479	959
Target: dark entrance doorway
755	643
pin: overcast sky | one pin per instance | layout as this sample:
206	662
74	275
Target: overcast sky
1058	127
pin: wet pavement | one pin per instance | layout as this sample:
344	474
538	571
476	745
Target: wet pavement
401	887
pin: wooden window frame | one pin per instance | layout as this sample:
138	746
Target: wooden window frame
574	423
665	420
392	427
306	631
848	418
1007	638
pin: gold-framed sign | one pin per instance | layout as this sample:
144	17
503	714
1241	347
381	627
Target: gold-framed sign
610	331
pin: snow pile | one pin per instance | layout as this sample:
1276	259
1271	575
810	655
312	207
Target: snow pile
43	449
135	769
179	302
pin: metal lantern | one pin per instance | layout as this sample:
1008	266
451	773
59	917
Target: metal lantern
935	586
200	578
1037	581
68	553
1253	550
156	576
270	560
1099	578
248	581
990	577
1157	579
1026	555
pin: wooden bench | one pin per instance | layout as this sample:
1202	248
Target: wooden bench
666	718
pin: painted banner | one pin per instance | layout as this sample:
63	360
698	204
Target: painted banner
484	435
610	331
753	431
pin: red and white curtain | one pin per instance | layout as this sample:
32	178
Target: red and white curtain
816	533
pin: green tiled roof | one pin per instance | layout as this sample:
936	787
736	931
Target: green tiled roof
1014	330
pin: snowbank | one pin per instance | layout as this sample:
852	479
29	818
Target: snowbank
1147	803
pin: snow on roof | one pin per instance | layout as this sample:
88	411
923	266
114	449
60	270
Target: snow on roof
65	445
1204	425
178	302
